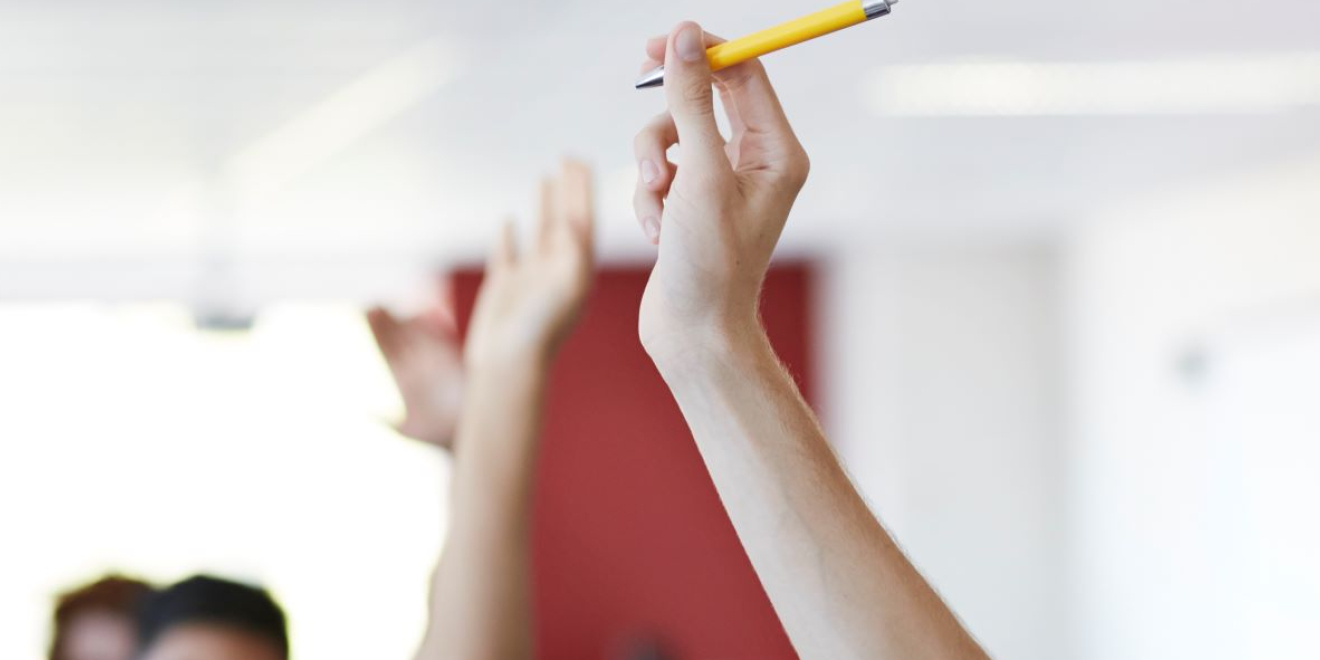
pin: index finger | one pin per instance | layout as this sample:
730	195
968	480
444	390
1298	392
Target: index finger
385	329
575	199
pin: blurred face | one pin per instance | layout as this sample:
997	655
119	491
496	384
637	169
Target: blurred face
100	636
201	641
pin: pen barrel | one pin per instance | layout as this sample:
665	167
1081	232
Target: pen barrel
796	31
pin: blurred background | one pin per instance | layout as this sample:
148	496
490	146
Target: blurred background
1063	302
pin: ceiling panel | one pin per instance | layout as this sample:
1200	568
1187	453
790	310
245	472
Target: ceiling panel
122	124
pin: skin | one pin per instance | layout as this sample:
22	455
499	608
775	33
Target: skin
100	636
202	641
527	305
839	583
427	364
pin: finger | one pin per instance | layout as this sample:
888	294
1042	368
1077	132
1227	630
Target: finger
548	213
736	123
384	327
752	104
505	253
745	92
648	206
576	199
650	147
688	90
445	312
655	47
413	332
655	173
435	322
655	53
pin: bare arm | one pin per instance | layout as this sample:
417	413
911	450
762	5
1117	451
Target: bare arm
480	594
529	300
840	585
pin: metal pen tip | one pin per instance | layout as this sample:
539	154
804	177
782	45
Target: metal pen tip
654	78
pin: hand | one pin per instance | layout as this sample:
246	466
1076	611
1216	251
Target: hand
718	218
530	299
423	355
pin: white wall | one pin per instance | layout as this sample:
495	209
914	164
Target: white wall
1155	288
942	380
1261	394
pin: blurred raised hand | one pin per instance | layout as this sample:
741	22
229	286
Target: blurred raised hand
527	305
533	294
425	359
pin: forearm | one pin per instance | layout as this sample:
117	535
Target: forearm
838	582
480	602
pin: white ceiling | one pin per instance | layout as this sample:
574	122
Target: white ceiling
123	125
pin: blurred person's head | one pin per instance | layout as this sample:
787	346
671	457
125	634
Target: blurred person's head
206	618
99	621
640	647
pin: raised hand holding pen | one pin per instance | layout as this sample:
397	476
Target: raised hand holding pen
841	587
718	217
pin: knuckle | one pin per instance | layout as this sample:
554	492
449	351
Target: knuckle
798	167
652	137
697	96
644	201
643	140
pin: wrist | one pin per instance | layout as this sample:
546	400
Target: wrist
501	402
683	350
507	356
506	366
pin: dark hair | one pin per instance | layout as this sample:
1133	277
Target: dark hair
113	594
205	599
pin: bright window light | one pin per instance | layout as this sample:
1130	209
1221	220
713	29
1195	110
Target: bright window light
131	441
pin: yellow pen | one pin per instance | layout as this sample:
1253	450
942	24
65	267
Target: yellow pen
793	32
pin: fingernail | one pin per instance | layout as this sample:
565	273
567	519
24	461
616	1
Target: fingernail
652	228
688	44
649	172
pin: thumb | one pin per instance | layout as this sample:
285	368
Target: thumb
688	83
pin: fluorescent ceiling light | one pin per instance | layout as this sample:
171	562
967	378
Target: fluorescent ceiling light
337	122
1190	86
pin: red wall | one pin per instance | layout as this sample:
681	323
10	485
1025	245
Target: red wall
630	539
